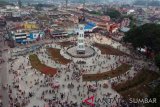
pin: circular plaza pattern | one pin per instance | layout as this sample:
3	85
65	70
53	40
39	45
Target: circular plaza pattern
89	52
48	76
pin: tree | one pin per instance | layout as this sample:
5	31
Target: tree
95	13
157	60
145	36
113	13
154	94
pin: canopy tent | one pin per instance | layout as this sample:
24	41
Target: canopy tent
89	26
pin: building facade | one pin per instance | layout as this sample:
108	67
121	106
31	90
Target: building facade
20	38
30	25
24	38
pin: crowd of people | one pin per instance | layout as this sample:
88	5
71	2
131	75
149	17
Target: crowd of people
30	88
2	61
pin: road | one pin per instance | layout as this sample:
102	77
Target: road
4	74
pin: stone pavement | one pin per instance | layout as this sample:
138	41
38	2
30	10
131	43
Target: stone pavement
31	81
4	67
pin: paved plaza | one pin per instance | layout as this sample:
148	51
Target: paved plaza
79	53
28	87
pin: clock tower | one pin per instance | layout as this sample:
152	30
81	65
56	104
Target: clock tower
80	40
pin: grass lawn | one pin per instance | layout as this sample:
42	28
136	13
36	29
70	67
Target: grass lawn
105	75
106	49
55	54
138	86
36	63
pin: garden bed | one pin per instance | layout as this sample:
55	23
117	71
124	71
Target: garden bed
108	74
109	50
65	43
36	63
137	87
57	57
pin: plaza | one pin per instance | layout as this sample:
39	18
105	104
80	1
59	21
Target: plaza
61	56
29	86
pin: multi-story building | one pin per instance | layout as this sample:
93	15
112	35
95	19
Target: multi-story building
2	22
23	37
20	38
125	22
30	25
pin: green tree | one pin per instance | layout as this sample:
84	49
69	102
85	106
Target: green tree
154	94
113	13
147	35
95	13
157	60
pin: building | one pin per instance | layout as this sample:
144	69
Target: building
113	28
89	27
58	33
20	37
2	22
106	18
125	22
30	25
35	35
16	16
23	37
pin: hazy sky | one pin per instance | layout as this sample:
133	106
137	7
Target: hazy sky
91	1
